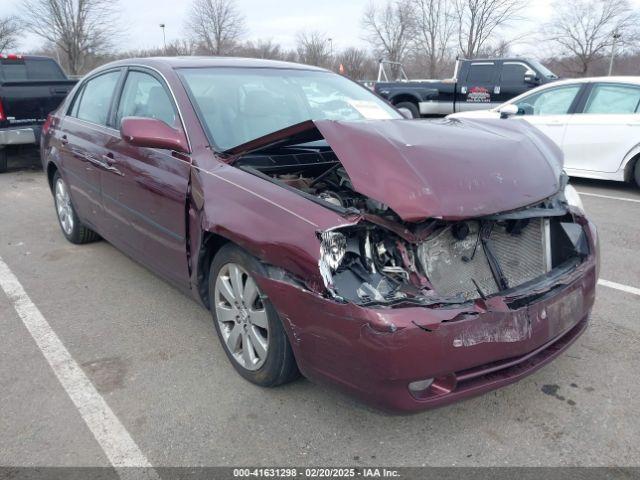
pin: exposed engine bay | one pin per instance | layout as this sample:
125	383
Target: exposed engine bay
382	260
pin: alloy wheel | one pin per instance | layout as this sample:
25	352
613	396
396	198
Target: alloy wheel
241	316
63	207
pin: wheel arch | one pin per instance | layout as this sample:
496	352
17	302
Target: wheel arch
210	245
405	97
630	163
51	170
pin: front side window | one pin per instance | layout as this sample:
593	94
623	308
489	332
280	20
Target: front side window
553	101
236	105
513	73
144	96
613	99
93	104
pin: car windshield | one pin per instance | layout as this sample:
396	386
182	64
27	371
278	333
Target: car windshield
543	70
237	105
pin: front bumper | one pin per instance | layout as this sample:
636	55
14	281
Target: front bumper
19	135
375	353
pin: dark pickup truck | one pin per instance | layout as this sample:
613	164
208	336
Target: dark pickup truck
476	85
30	88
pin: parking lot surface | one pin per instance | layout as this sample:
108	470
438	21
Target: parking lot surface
153	355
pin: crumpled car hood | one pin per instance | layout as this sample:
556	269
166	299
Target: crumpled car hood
451	169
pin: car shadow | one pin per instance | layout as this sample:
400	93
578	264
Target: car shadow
23	158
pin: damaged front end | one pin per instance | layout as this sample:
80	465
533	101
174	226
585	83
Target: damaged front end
404	245
433	283
451	262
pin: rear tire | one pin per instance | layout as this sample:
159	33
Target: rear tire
3	160
412	107
636	172
248	326
72	228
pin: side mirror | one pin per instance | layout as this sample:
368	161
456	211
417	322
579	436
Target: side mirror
152	133
406	113
531	77
508	110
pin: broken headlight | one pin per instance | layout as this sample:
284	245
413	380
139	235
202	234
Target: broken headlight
365	264
573	198
333	246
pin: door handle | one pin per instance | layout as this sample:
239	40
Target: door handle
554	124
108	158
108	164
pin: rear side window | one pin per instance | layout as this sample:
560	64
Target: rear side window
144	96
93	104
30	69
481	73
513	73
613	99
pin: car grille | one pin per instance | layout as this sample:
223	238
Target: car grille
452	267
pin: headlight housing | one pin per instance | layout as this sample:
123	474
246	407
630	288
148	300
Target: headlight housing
333	246
573	198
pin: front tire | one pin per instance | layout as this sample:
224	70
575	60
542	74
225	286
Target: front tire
248	326
636	173
72	228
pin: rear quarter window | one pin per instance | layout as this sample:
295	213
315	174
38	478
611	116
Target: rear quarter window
481	73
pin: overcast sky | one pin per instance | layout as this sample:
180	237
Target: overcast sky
278	20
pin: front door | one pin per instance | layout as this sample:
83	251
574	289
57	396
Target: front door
145	193
550	109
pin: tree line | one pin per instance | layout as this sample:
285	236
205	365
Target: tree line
425	35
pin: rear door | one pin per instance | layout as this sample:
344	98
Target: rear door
607	129
549	109
479	89
145	193
84	135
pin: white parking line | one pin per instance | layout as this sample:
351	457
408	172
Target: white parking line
635	200
619	286
112	436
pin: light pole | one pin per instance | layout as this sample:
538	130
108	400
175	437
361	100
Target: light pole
616	36
164	38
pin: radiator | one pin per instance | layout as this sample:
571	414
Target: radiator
451	265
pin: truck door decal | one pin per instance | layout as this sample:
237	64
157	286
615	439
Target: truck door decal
479	95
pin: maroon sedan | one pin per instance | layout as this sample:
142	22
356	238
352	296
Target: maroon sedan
410	263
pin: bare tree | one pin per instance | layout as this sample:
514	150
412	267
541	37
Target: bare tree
261	48
390	29
435	27
78	28
479	20
357	64
314	49
217	25
583	30
9	30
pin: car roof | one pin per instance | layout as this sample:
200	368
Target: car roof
617	79
199	62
